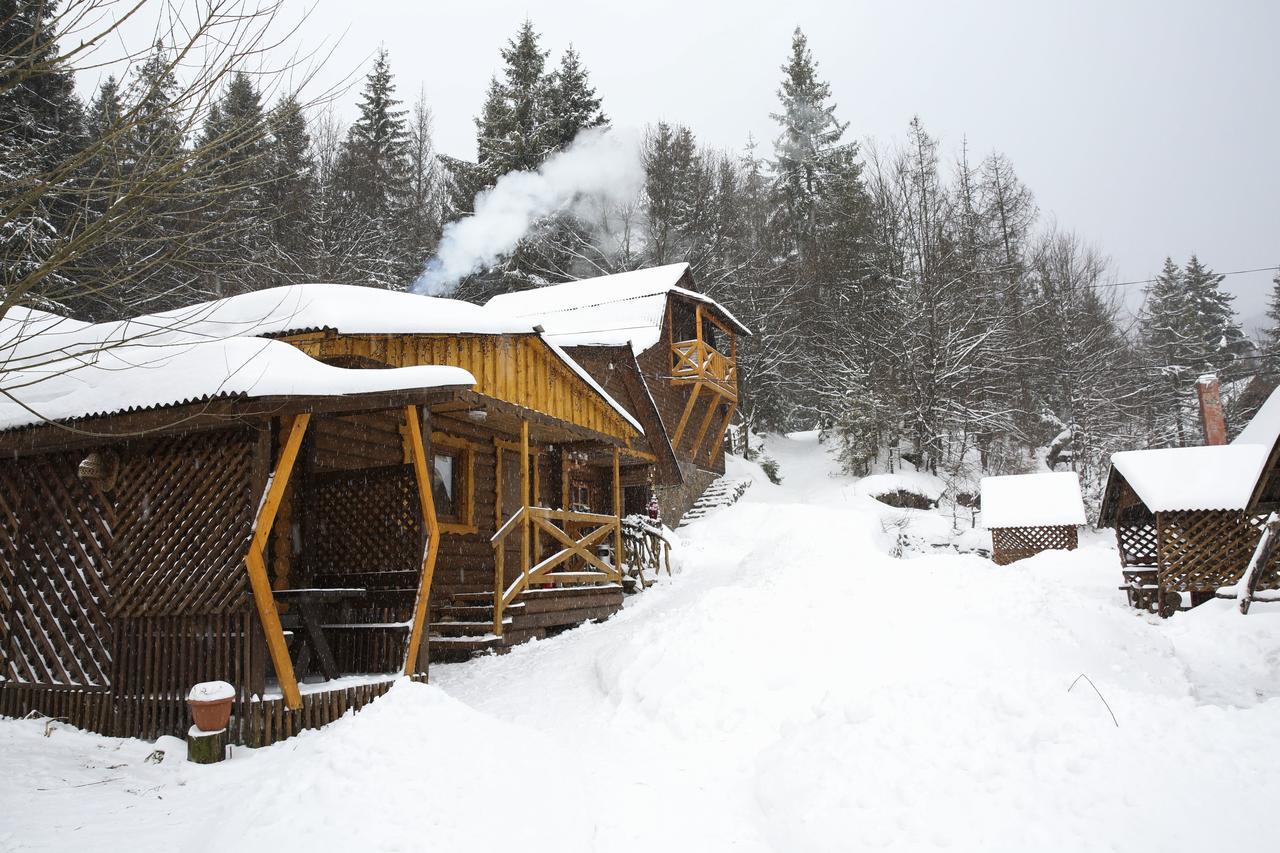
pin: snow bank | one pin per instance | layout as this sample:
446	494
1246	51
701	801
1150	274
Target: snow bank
1032	500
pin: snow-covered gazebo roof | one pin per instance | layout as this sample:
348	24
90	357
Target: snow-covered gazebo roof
1214	477
1032	500
609	310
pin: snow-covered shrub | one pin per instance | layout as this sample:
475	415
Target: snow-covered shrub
771	470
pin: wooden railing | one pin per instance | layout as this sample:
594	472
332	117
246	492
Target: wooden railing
694	361
578	533
644	546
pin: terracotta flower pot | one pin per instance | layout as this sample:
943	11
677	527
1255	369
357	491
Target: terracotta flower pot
210	704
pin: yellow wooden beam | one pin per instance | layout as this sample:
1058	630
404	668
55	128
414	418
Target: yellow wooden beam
684	418
702	430
427	501
255	562
724	427
524	494
617	510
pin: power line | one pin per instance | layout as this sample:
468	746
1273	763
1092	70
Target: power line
1154	280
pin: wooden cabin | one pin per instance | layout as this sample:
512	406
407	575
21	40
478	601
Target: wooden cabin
1031	513
306	492
666	351
1188	519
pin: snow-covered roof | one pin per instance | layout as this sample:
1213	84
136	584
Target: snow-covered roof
609	310
1214	477
1032	500
344	308
106	378
1193	478
70	359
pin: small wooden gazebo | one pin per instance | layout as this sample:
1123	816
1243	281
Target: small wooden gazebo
1031	513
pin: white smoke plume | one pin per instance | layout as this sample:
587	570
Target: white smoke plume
599	167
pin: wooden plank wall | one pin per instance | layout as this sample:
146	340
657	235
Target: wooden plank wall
519	369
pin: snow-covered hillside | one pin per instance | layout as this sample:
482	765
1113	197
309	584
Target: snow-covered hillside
793	688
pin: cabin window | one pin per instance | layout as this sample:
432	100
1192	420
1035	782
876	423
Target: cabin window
580	496
445	468
452	461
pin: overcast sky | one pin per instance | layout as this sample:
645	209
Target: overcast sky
1149	128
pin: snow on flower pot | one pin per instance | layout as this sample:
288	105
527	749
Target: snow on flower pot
210	703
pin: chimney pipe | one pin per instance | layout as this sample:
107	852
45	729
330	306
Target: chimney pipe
1211	418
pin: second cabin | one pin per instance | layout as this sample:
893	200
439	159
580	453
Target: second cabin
667	352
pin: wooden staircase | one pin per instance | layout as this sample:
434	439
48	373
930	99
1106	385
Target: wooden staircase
724	491
464	627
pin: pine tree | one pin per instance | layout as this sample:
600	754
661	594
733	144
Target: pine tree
1218	340
425	192
1271	335
573	104
372	181
805	150
41	128
235	251
291	194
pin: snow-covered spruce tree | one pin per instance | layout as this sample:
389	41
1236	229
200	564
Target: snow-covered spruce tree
573	103
372	183
1271	334
290	194
528	114
810	168
1188	328
41	128
236	255
1218	335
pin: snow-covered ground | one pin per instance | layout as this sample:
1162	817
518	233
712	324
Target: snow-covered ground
793	688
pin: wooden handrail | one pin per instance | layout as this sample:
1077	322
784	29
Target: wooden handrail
541	518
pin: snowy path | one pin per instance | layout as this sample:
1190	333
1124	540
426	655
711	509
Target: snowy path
793	689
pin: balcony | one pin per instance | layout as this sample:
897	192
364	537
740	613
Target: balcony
695	361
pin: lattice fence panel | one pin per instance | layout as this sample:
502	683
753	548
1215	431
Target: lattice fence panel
1204	550
365	530
186	506
1015	543
1138	544
1271	577
365	521
55	531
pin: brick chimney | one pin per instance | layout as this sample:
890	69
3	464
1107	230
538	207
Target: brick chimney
1211	418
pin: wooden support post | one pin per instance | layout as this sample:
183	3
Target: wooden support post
564	478
426	499
723	428
255	562
617	511
702	430
524	498
684	418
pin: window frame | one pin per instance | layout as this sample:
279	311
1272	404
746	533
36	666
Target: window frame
464	457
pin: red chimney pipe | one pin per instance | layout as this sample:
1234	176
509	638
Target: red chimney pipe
1211	417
